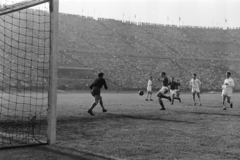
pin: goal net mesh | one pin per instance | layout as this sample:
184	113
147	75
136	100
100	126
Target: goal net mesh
24	71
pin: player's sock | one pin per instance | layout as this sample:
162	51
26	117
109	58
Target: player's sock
101	104
231	105
161	104
93	105
224	108
172	101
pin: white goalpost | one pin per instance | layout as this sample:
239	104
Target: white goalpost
28	72
52	117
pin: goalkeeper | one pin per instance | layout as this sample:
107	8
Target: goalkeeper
96	91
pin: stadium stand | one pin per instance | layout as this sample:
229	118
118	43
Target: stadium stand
128	53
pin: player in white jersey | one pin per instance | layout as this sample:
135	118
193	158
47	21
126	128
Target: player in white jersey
227	89
149	89
195	85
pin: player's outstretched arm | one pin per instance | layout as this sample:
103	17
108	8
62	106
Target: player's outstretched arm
105	85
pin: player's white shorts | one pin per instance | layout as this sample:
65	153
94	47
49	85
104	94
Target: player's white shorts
195	90
173	92
149	89
227	92
163	90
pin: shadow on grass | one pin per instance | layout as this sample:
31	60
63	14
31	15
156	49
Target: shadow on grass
112	116
147	117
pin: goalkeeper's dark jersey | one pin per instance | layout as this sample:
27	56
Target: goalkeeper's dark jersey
99	83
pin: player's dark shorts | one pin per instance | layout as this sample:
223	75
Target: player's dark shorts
95	91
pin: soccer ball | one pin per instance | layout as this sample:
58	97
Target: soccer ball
141	93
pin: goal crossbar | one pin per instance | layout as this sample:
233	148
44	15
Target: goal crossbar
20	6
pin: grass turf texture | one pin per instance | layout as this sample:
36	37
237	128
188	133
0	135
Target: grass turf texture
136	129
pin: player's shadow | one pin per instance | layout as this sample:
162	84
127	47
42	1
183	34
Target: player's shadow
112	116
145	117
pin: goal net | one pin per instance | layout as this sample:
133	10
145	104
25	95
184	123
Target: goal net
25	61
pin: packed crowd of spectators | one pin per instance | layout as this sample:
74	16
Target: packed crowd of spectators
133	71
129	53
81	33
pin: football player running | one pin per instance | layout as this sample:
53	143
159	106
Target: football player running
173	90
149	89
227	89
178	91
161	93
195	85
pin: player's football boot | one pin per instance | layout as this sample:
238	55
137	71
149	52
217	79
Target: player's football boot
194	103
180	100
162	109
90	112
231	105
224	108
200	104
104	110
151	99
146	99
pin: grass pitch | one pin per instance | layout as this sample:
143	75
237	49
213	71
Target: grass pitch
136	129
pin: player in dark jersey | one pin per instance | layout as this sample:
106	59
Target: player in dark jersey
96	91
178	91
161	93
173	89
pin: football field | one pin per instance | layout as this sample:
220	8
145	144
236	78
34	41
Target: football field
136	129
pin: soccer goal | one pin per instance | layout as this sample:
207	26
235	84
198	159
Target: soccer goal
28	72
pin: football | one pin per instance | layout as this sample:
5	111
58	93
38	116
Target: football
141	93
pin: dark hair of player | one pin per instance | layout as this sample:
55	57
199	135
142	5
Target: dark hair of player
228	73
100	75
